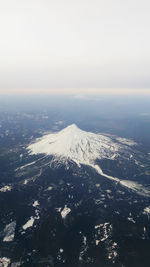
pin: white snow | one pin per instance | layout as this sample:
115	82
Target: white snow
37	215
49	188
98	226
26	165
65	212
29	223
84	247
106	231
36	203
81	147
126	141
108	191
102	231
77	145
147	210
112	252
9	232
99	170
6	188
131	219
97	242
138	188
4	262
58	209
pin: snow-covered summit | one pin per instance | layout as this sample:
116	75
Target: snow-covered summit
81	147
72	127
77	145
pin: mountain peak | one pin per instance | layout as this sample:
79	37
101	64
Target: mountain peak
77	145
72	127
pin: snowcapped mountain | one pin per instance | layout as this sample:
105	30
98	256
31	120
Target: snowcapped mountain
83	148
79	146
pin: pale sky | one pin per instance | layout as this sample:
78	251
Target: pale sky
49	44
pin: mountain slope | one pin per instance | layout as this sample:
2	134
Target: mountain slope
79	146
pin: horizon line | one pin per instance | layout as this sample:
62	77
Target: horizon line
76	91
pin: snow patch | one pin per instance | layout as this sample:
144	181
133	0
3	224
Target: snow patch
138	188
112	252
4	262
6	188
131	219
36	203
65	212
29	223
126	141
147	210
49	188
9	232
102	231
26	165
84	247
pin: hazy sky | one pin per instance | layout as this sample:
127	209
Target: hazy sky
74	44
